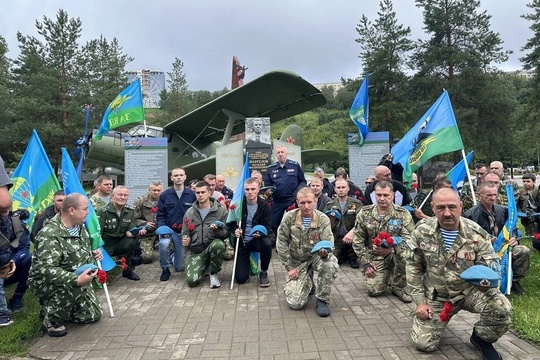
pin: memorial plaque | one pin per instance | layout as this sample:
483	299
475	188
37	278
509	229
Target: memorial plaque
229	162
258	144
363	160
145	160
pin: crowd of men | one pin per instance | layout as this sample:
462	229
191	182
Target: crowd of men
418	254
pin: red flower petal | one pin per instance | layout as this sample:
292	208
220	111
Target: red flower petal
153	209
186	221
232	207
191	227
390	242
357	193
102	276
124	267
123	260
536	236
377	241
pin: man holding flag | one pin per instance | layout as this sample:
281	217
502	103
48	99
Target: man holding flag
492	218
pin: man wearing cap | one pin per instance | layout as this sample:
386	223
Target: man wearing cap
492	217
253	234
344	209
383	266
439	250
172	205
300	230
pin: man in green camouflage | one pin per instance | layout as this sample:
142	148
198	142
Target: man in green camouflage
145	214
62	246
102	195
115	220
480	170
383	266
298	232
348	207
439	250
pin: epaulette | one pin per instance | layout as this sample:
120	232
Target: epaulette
129	207
293	162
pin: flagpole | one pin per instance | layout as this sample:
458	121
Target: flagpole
235	255
469	176
106	290
426	199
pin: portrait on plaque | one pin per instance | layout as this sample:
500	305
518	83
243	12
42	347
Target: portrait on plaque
257	131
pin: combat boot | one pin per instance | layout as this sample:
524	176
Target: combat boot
402	295
487	349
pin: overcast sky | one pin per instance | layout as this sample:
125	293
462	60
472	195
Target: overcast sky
312	38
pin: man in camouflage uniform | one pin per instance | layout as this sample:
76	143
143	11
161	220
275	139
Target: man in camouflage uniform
528	201
62	246
491	217
480	170
497	168
434	265
145	214
383	266
115	220
348	207
298	232
102	195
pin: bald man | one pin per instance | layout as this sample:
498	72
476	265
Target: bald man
382	173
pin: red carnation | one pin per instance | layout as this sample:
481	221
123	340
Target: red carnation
536	236
174	226
102	276
221	198
357	192
384	235
377	241
232	207
123	263
186	221
446	312
154	209
191	227
390	242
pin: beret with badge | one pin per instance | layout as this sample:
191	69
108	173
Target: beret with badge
334	213
323	244
480	275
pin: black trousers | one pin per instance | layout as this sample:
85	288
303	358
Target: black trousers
262	246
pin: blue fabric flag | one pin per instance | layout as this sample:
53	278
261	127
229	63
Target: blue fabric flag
237	202
126	108
71	183
458	172
435	133
501	244
359	111
34	181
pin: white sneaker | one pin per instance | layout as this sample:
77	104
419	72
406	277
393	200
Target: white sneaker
214	281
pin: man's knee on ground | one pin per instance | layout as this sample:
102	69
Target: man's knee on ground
193	282
424	345
296	305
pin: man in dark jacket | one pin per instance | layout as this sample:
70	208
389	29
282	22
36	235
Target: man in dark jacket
203	233
382	173
255	212
172	205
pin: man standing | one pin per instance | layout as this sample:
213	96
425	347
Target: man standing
220	186
348	207
528	202
48	213
287	176
480	170
299	231
62	247
354	191
316	185
115	220
145	214
328	187
172	206
203	234
492	217
383	266
440	249
382	173
255	212
102	195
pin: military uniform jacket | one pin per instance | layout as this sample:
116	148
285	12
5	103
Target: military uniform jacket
202	236
397	222
114	227
97	202
348	219
145	210
287	180
294	243
433	272
57	255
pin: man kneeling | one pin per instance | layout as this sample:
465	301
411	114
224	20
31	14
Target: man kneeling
62	246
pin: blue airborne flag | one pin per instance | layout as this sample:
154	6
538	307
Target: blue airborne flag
458	172
71	183
126	108
237	202
435	133
359	111
34	181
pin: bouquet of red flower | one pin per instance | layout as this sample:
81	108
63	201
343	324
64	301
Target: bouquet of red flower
358	196
189	224
154	209
446	312
385	240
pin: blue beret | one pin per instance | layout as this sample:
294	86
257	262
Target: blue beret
258	228
219	224
323	244
83	268
164	230
333	213
480	275
136	230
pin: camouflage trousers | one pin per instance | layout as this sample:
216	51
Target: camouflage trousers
196	263
495	317
297	291
390	271
68	303
146	244
521	261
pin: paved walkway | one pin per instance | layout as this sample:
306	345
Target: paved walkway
168	320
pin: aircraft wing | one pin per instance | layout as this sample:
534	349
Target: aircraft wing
198	169
277	94
317	156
